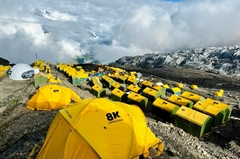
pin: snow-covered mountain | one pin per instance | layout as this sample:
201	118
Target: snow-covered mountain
224	60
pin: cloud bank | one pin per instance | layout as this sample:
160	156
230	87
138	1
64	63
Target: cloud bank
107	30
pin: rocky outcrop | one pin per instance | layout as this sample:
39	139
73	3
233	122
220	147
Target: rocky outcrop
223	60
4	62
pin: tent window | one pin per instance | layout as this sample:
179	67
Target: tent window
27	74
9	72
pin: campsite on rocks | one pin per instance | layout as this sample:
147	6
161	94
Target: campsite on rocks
117	111
119	79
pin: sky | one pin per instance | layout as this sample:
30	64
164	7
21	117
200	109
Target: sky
63	31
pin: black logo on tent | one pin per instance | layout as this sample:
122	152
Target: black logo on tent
112	117
56	90
69	115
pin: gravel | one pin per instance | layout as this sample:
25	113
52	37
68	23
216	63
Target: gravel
21	129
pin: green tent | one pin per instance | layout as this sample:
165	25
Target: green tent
151	94
216	113
118	95
98	91
164	109
134	88
192	121
40	78
192	96
180	101
222	106
138	99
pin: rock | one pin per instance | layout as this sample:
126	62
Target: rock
152	152
181	132
171	152
4	62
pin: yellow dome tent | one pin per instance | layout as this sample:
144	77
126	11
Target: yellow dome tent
54	80
100	128
194	86
52	96
3	70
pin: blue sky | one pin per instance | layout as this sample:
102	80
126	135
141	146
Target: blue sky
174	0
61	31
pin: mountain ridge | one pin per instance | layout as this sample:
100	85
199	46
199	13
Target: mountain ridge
224	60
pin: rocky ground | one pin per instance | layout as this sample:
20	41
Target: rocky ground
21	129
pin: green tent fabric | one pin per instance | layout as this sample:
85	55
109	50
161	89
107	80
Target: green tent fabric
192	121
164	109
40	78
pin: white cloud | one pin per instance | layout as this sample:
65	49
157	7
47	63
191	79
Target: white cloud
24	40
108	30
55	15
106	54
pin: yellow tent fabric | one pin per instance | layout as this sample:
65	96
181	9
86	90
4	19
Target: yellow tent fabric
3	70
96	81
49	75
99	128
39	64
194	86
54	80
52	96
